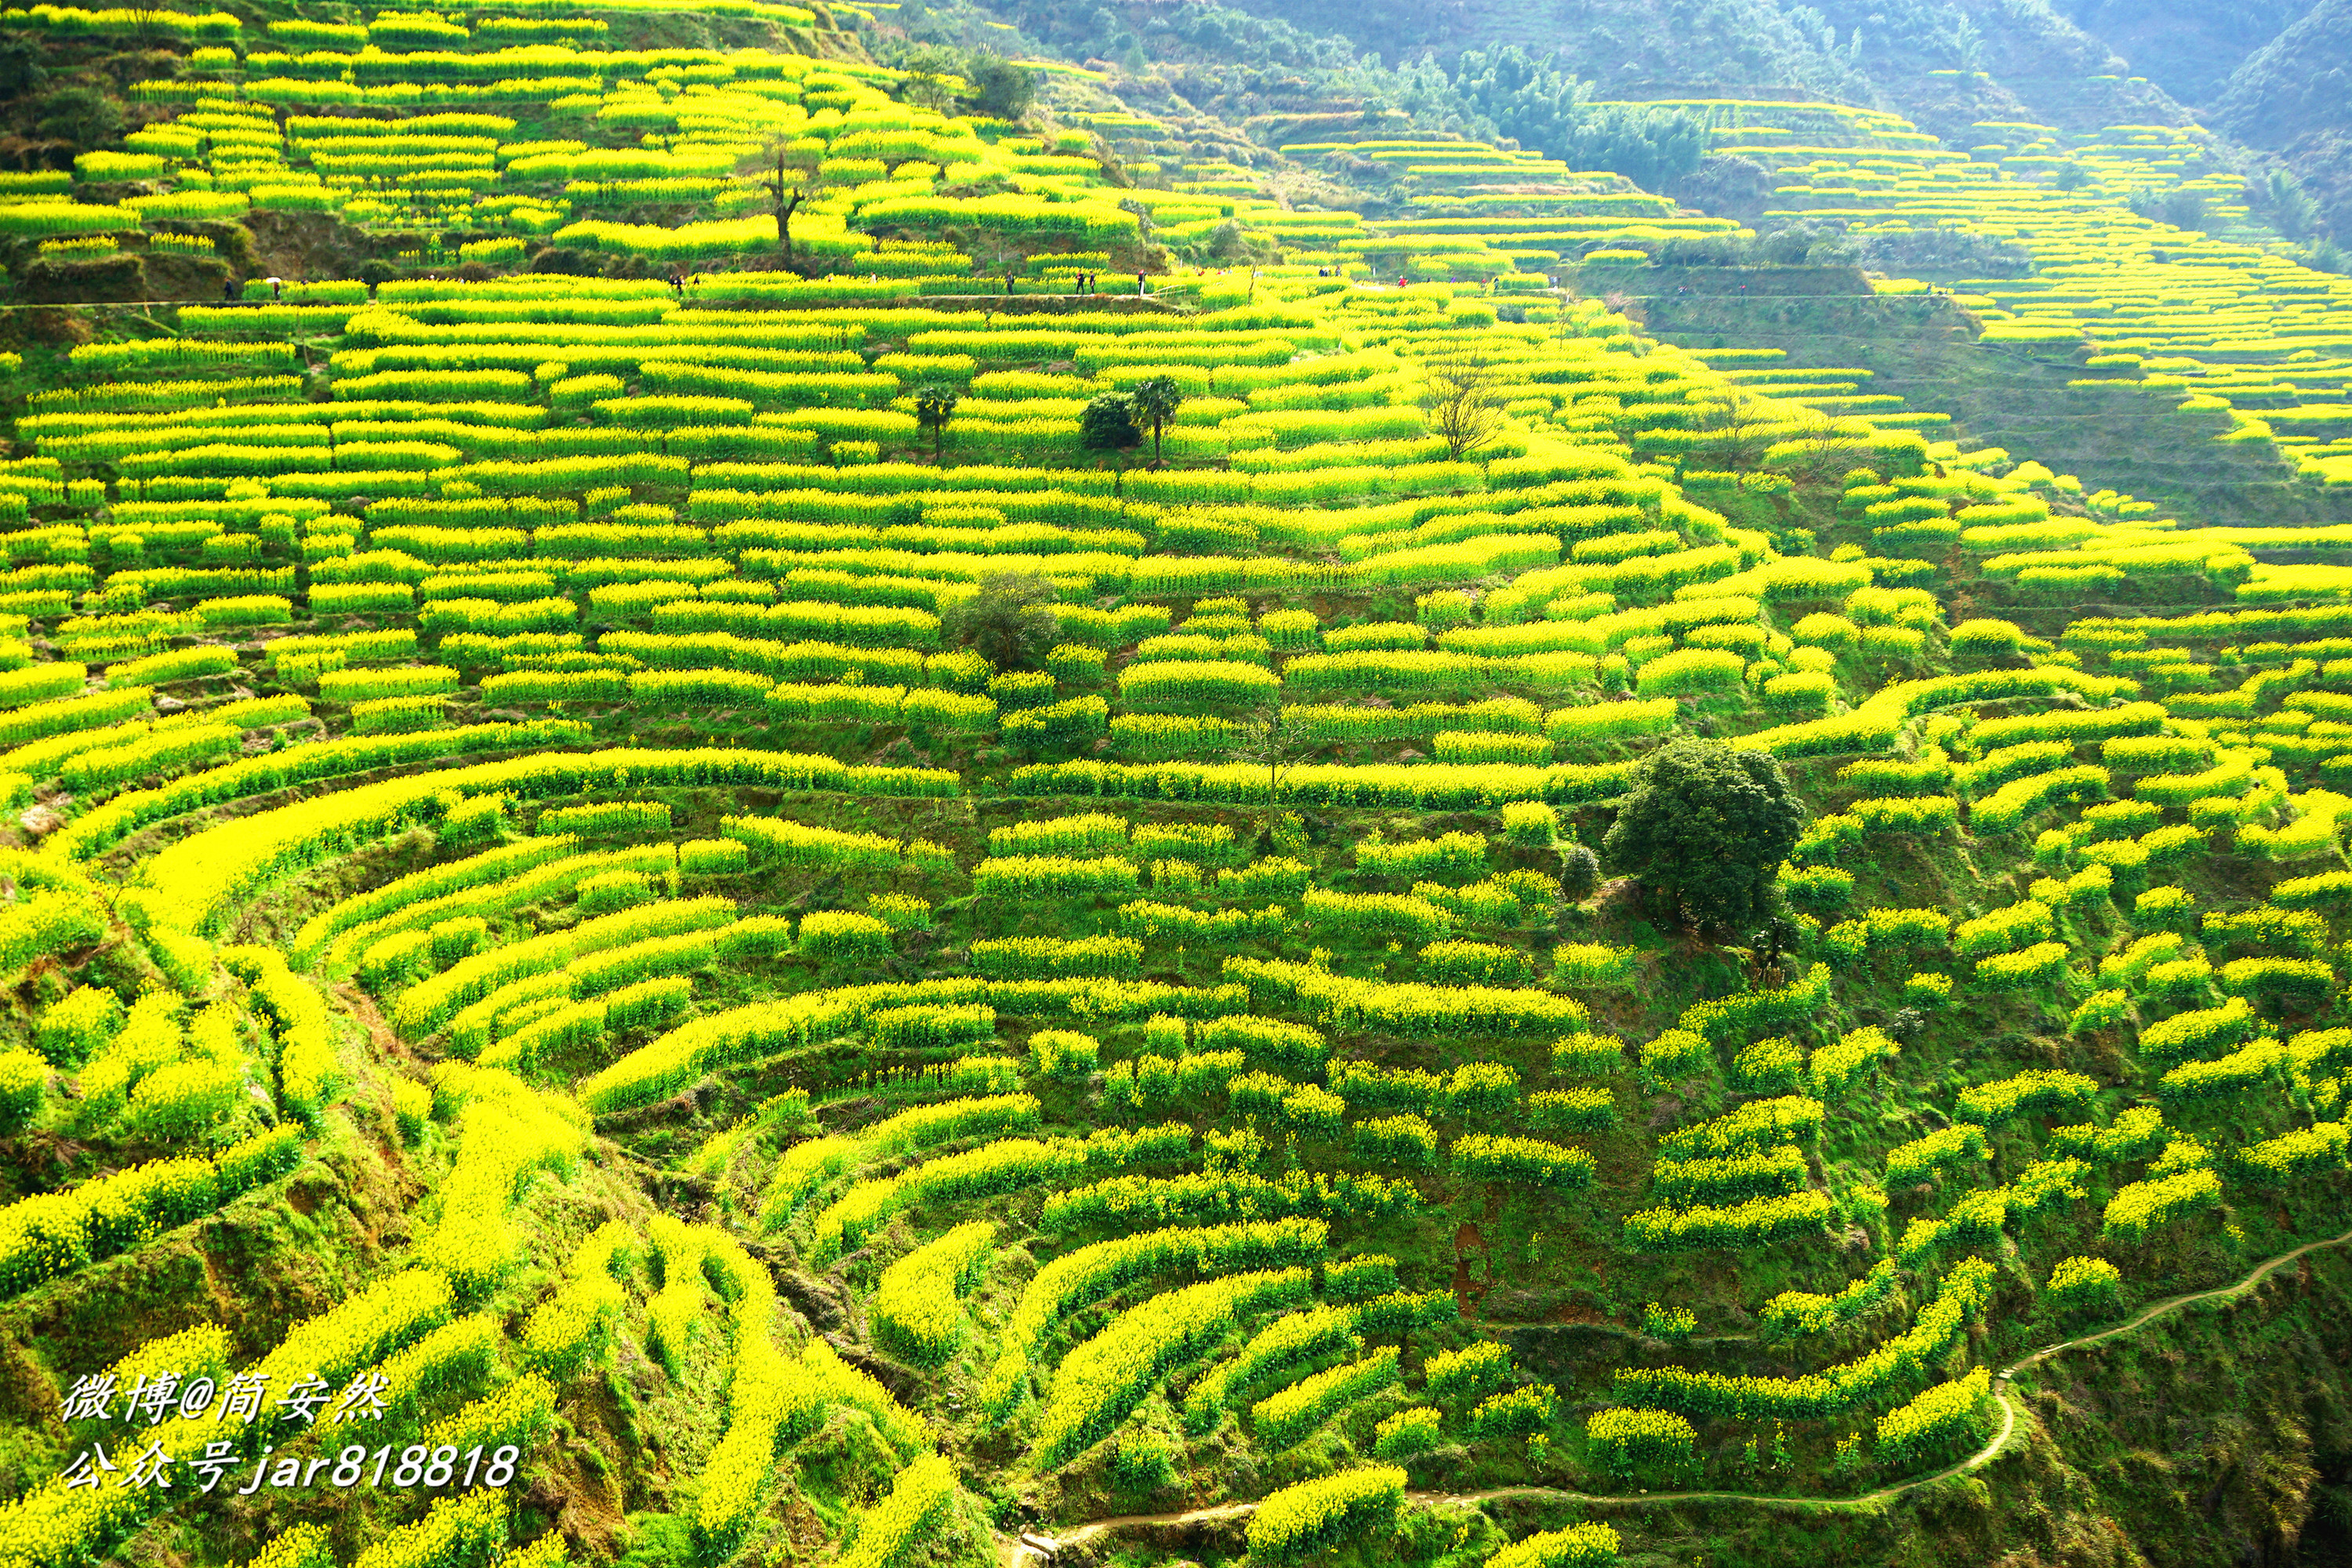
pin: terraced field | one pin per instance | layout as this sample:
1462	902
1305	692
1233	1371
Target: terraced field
988	887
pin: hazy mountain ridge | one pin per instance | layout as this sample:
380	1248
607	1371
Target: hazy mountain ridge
2295	98
2268	74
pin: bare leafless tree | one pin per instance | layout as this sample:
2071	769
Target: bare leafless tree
1820	450
1263	739
793	180
1738	431
1459	395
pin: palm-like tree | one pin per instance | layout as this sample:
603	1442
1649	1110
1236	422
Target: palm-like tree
1155	400
934	406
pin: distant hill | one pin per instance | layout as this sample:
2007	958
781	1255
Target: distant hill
1915	58
2268	75
2293	96
2188	48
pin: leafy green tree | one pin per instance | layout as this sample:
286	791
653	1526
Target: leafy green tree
1966	43
1226	241
1704	831
2182	209
1108	425
2284	204
934	406
1534	100
1009	622
998	88
1155	401
1727	185
929	66
1654	148
20	67
81	115
1580	873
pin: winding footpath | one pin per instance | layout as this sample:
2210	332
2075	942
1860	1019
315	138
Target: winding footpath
1864	1502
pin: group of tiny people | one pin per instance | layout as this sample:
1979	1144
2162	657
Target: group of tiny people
1083	283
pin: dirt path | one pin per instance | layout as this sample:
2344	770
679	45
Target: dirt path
1080	1533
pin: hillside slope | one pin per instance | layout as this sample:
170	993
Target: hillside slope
2293	97
765	808
1919	60
1946	67
2188	48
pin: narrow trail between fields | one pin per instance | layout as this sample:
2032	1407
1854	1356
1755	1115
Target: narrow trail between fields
1079	1534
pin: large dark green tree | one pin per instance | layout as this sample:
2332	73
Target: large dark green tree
1009	622
998	88
1107	424
1705	830
1533	100
81	115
